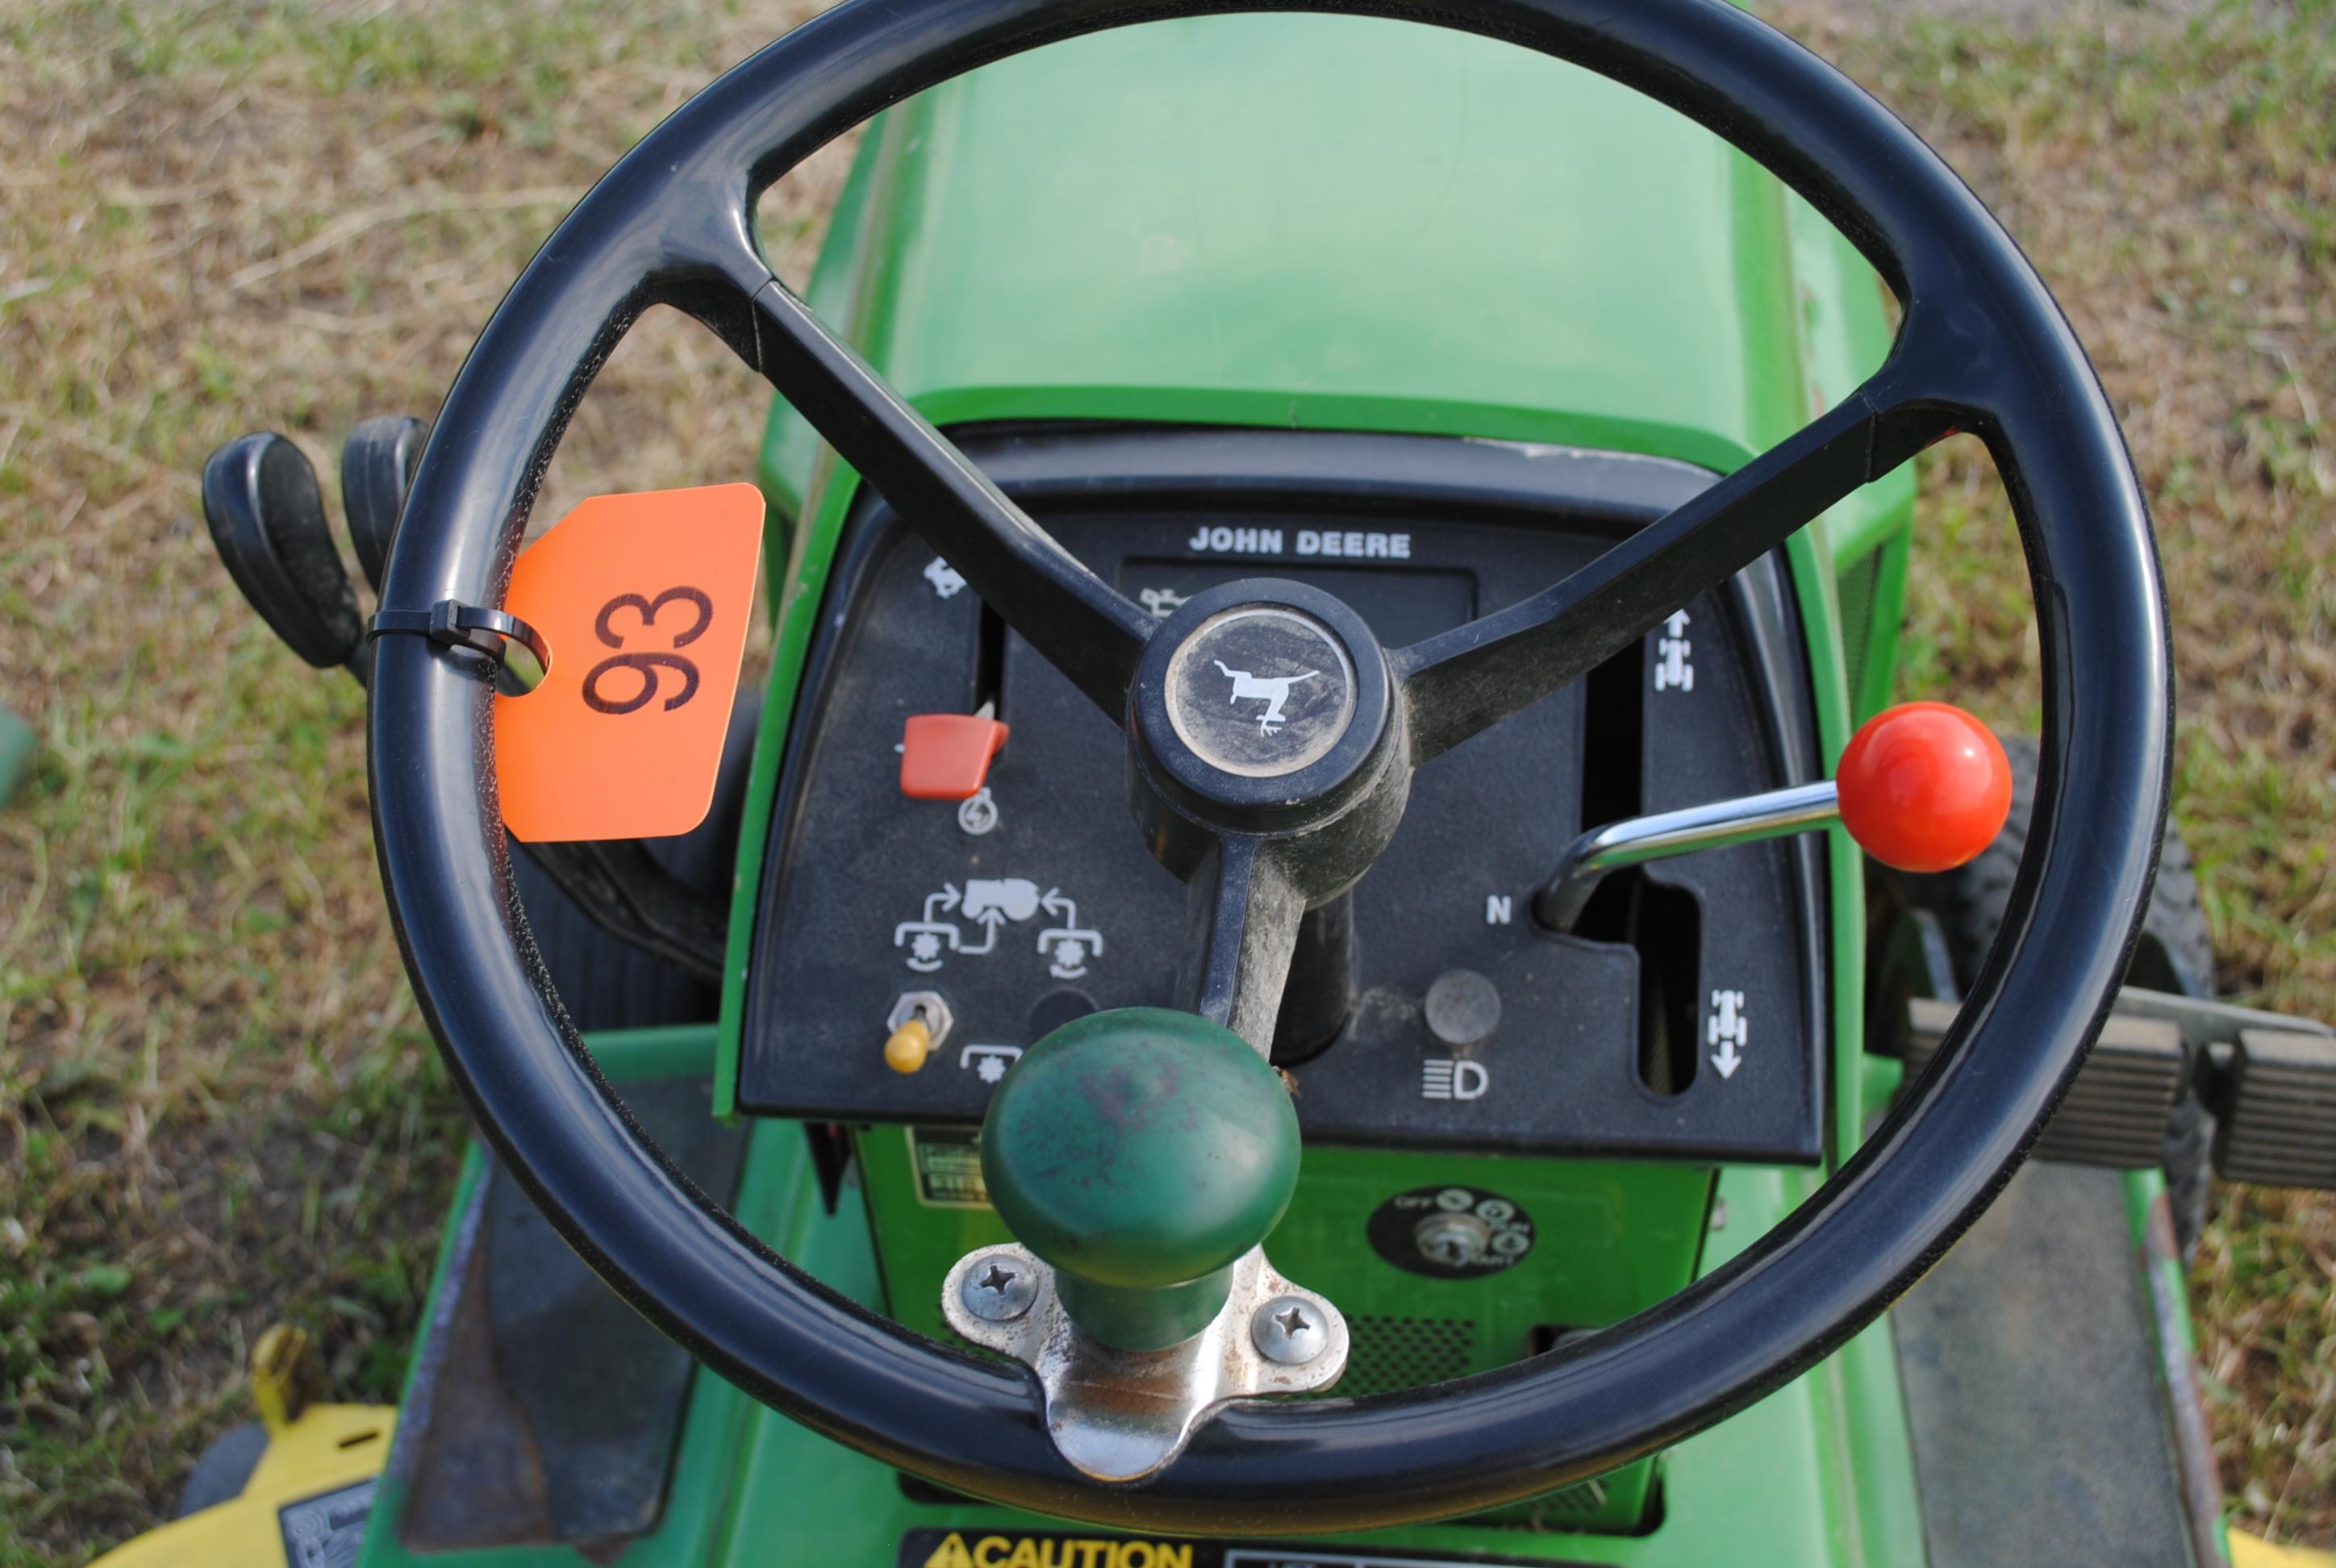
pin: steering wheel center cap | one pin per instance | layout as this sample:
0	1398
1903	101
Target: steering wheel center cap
1261	691
1266	707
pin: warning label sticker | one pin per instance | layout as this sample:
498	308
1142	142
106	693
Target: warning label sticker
1064	1549
948	1168
326	1531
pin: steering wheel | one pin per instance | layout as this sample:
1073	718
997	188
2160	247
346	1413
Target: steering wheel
1981	347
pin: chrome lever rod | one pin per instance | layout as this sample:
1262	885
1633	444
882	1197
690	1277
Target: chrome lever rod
1715	825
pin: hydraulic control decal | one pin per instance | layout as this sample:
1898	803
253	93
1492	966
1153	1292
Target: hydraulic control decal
953	915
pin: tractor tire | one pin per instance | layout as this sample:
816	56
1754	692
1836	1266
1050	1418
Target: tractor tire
2176	953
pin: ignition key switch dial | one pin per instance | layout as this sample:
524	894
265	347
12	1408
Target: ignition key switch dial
1450	1231
1455	1241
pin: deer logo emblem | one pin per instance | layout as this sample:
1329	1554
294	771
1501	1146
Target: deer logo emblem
1272	692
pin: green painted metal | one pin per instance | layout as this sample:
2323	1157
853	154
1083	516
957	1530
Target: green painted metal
1139	1152
2167	1287
1742	1494
1611	1239
1322	222
1846	321
1844	317
775	1183
1878	683
1882	1078
1817	1475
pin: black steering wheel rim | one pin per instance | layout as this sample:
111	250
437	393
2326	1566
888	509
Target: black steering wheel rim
672	223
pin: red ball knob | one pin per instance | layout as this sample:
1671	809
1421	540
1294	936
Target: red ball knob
1925	786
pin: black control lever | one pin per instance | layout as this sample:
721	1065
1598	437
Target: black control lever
267	519
376	471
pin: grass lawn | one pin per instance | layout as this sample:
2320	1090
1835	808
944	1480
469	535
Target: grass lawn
218	1106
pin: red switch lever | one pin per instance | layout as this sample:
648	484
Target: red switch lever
1925	786
945	756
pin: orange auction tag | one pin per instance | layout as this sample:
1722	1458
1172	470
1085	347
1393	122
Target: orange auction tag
642	600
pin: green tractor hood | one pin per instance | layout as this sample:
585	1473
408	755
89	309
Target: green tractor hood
1333	223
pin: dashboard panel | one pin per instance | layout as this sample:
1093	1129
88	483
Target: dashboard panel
1684	1020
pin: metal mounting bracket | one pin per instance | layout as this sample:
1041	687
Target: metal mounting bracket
1123	1415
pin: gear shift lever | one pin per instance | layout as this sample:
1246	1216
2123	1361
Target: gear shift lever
1923	787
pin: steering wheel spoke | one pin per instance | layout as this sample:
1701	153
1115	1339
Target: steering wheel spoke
1079	622
1241	933
1462	681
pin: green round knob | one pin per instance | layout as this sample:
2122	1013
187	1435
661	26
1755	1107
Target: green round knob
1141	1152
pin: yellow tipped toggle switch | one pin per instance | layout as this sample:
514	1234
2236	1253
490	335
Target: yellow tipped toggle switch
909	1046
919	1022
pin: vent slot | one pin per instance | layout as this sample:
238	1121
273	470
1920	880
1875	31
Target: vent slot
1386	1354
1558	1510
1856	588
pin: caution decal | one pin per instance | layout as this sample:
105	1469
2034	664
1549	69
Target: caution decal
1065	1549
967	1549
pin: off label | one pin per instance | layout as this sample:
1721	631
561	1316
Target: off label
1451	1232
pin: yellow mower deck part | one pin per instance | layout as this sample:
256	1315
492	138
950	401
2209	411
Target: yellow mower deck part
283	1379
316	1477
2246	1552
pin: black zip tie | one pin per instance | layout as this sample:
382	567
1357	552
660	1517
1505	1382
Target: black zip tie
520	656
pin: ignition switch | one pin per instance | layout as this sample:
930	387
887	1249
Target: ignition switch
1450	1232
1455	1241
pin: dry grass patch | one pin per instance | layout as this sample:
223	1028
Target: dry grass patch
218	1107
